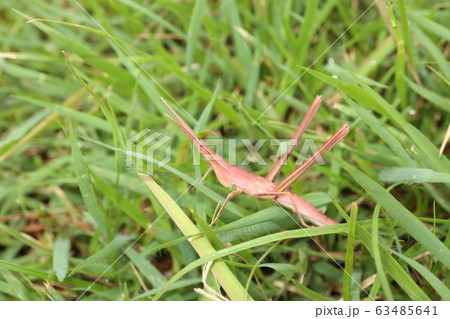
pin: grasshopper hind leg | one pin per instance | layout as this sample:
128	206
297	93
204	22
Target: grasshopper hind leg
233	193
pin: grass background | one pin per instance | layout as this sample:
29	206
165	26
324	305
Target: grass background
75	87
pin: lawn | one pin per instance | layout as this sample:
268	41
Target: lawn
102	197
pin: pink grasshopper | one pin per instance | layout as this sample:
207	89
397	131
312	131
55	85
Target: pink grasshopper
264	187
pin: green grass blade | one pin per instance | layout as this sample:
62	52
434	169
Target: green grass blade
436	99
435	282
260	260
391	265
413	175
193	31
168	244
86	189
302	233
223	274
422	142
375	288
176	286
115	245
383	132
377	256
207	111
306	32
353	91
311	294
394	269
430	25
406	220
400	59
146	268
350	253
73	114
61	251
23	238
154	16
19	132
243	51
52	293
433	48
26	270
405	29
124	204
15	285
